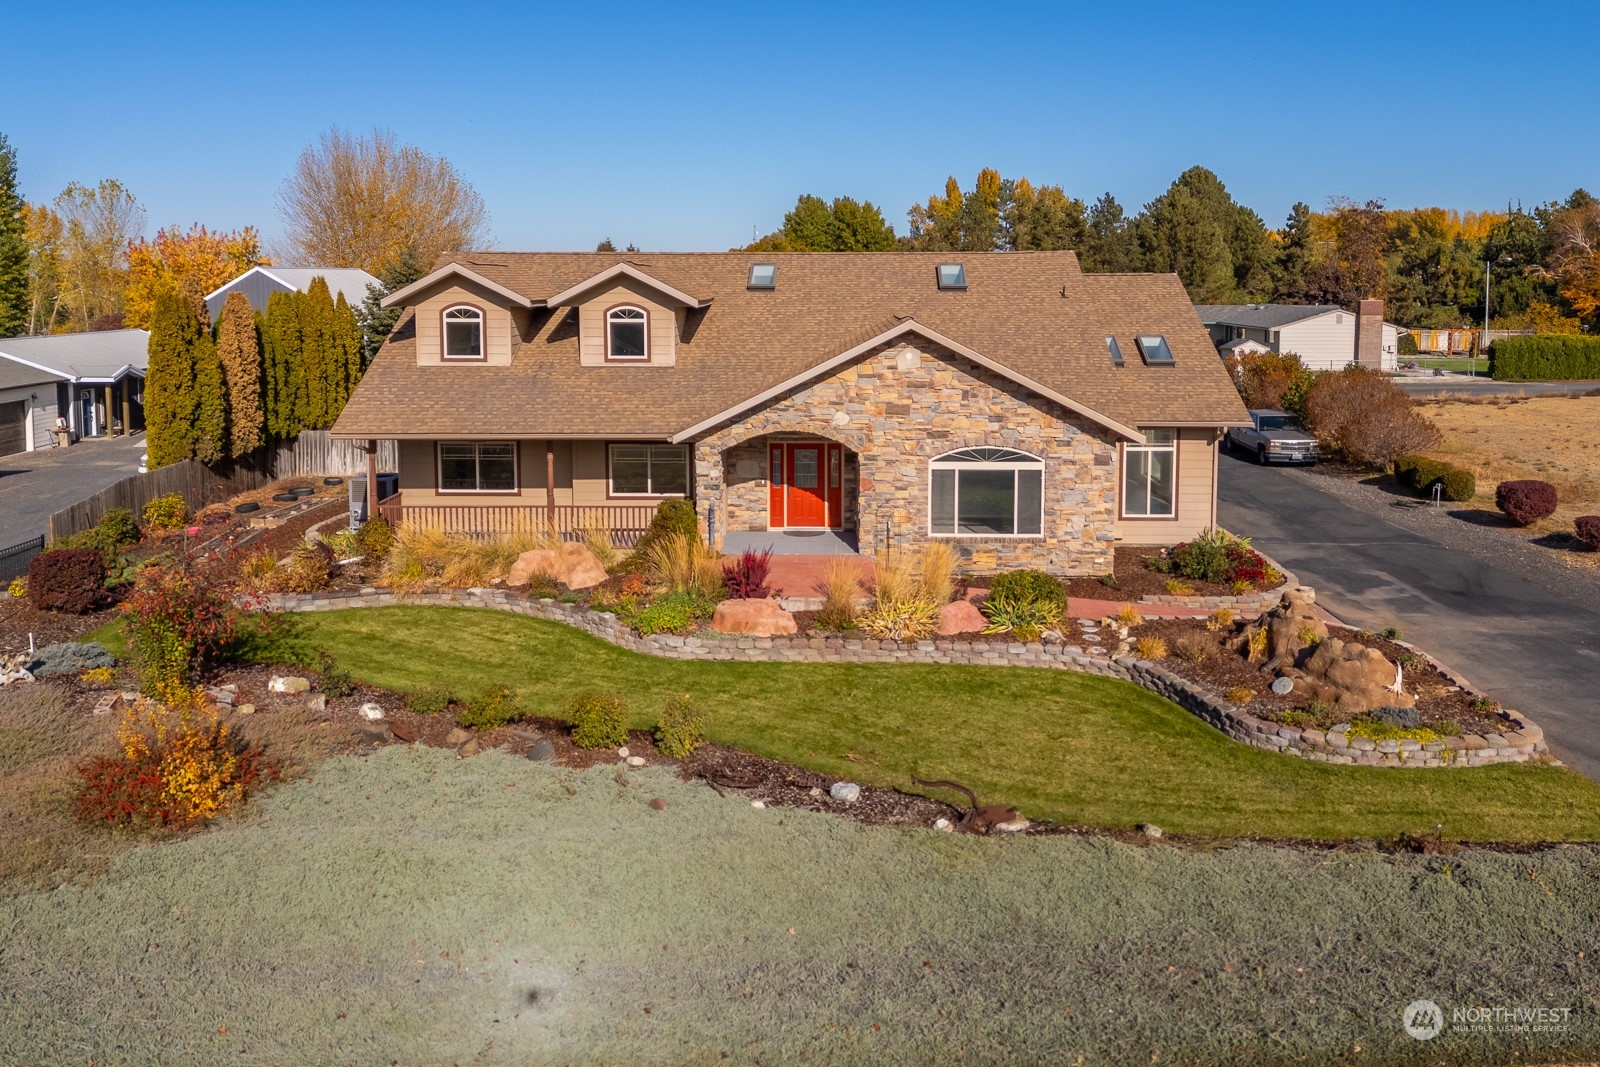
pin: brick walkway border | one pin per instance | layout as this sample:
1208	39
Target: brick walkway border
1513	746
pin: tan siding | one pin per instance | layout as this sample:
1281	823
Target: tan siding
1197	469
499	331
592	325
589	484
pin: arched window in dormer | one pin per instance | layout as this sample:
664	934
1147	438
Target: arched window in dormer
627	333
463	332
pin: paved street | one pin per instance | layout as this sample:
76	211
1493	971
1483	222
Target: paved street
1530	647
1462	385
35	484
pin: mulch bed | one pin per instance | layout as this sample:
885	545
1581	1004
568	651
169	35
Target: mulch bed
1134	578
1438	699
18	619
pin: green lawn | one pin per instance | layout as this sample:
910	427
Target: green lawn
1056	744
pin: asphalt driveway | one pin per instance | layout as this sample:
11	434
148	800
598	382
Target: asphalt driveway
33	485
1534	648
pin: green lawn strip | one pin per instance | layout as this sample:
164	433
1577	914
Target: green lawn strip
1056	744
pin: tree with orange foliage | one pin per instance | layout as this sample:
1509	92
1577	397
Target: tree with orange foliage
1575	254
212	257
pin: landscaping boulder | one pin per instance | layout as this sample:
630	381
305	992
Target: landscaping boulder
1350	676
758	618
573	565
845	792
1292	627
288	684
960	617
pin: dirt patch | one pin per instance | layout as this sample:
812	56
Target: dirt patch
18	619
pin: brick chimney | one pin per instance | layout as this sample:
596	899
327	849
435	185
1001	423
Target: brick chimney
1369	334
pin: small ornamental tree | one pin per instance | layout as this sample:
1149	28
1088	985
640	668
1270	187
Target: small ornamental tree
1525	502
176	625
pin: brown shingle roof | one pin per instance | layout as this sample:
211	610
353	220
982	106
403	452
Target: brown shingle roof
1032	312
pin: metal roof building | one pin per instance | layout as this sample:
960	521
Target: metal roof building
259	283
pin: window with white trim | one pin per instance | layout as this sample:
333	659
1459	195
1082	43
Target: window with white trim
1150	476
986	491
627	330
463	332
649	470
477	466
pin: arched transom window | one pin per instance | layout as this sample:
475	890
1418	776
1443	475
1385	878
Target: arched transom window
463	332
986	492
627	330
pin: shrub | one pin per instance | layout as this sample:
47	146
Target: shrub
259	566
377	538
598	720
1460	485
420	555
1587	527
70	657
1179	587
1406	345
680	729
494	707
1193	648
907	619
428	700
1220	619
1391	632
1024	616
1030	587
176	625
97	677
343	545
166	512
1255	646
18	587
937	574
1308	636
67	580
116	530
1218	558
1545	357
839	587
331	678
310	569
1525	502
1240	694
1270	379
745	576
1367	417
672	517
1129	616
674	613
1150	647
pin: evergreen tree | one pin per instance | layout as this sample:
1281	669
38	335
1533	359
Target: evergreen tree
316	321
210	403
1040	219
1177	234
169	385
239	352
1112	245
13	246
1296	253
346	349
377	321
283	372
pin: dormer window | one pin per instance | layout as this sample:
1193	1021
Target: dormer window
463	332
763	276
952	276
627	331
1155	351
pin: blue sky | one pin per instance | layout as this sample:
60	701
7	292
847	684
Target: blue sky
682	127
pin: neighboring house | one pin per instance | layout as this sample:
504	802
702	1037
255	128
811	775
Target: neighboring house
95	381
1323	336
258	283
28	406
1028	413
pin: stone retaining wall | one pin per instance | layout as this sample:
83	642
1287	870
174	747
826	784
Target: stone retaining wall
1516	746
1248	604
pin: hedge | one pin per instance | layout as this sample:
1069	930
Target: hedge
1545	357
1526	501
1420	472
68	580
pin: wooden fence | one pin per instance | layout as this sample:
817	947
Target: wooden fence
625	522
315	453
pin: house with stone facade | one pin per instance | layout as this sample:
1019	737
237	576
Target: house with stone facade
1024	411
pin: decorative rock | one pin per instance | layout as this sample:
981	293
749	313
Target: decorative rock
468	748
377	733
623	752
573	565
1015	826
1283	686
1149	829
457	736
223	697
759	805
815	791
372	712
943	824
542	750
845	792
403	732
658	803
317	703
1342	728
758	618
960	617
288	684
636	761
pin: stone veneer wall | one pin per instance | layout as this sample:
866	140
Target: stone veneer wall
746	489
903	404
1517	746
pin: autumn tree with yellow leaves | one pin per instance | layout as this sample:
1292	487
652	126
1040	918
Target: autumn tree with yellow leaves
212	257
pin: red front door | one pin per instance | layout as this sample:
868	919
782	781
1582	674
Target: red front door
807	503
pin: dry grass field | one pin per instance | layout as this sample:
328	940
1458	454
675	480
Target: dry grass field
1555	439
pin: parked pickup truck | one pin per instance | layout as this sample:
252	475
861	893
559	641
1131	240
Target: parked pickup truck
1273	437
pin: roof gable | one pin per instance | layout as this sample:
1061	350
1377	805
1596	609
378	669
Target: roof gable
408	294
570	294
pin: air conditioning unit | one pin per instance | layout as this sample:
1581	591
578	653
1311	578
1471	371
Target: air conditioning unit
388	485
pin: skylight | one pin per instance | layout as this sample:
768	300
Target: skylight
952	276
763	276
1116	350
1153	347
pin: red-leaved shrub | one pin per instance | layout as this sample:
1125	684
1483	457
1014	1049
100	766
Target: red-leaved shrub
1588	529
1525	502
150	788
746	576
68	580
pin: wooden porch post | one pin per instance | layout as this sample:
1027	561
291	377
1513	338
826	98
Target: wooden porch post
127	406
550	483
110	414
372	479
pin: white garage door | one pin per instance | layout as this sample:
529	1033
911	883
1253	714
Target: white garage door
13	427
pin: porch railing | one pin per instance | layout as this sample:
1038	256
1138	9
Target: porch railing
625	522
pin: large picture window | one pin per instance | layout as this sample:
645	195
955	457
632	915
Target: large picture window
649	470
986	491
626	330
463	332
1150	476
477	467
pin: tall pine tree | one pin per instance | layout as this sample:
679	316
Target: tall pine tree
13	246
346	349
169	385
283	372
240	355
210	403
316	322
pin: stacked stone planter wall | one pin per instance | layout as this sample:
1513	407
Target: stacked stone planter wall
1248	604
1516	746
